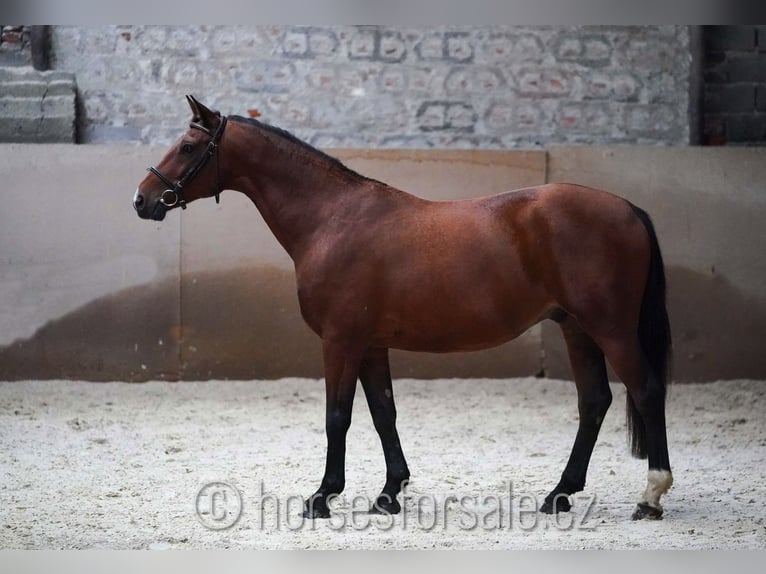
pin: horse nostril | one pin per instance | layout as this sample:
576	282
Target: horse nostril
138	201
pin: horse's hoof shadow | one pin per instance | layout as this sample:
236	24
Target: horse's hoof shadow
644	511
556	504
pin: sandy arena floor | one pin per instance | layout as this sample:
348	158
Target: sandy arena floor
163	465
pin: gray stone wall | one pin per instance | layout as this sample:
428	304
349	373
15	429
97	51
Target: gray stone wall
15	47
377	86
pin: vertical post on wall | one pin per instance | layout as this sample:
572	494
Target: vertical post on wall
696	85
39	40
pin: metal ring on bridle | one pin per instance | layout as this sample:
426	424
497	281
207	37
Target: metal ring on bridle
173	202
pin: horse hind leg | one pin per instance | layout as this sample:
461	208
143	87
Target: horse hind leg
593	400
646	419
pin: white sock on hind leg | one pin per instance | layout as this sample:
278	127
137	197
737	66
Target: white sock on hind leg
658	482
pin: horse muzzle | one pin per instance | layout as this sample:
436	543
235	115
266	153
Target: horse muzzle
155	210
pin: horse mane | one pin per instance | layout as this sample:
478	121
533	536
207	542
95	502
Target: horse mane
285	135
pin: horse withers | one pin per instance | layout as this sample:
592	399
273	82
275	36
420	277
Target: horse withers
378	268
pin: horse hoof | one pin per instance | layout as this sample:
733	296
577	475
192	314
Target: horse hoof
386	505
556	504
643	510
316	508
316	513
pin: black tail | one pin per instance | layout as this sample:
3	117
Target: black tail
654	335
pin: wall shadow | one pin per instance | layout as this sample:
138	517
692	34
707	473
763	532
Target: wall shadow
125	336
719	332
245	324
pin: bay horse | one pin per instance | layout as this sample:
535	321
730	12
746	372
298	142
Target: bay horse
377	268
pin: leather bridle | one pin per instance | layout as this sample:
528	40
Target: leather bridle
173	194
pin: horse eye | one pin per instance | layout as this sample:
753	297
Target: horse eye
187	148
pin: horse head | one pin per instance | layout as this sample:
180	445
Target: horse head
181	177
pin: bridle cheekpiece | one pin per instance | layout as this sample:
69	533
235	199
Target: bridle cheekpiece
173	194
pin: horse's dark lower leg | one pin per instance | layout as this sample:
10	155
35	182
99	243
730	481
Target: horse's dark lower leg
375	375
593	400
341	365
648	396
650	404
659	476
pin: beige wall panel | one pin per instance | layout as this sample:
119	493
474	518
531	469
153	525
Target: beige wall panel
74	265
90	291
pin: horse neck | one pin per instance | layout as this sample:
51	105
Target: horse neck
297	190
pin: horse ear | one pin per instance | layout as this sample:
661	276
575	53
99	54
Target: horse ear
194	105
202	114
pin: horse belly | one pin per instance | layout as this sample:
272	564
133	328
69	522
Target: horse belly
469	313
445	338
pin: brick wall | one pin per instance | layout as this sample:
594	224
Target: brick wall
375	86
14	46
735	85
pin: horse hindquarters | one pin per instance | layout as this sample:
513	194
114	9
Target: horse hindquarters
608	277
641	359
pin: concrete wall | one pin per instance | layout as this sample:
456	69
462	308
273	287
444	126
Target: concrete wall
456	87
37	107
90	291
69	250
15	46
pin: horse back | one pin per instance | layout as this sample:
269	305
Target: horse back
459	275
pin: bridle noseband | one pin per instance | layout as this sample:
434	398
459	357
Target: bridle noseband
173	195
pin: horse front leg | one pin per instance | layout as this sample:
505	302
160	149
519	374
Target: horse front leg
375	375
341	365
